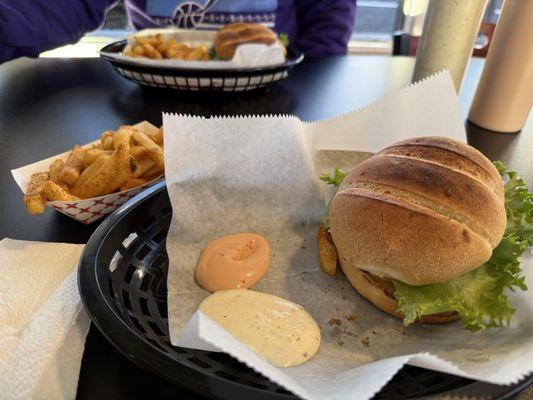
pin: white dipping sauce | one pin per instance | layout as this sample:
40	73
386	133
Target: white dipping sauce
279	330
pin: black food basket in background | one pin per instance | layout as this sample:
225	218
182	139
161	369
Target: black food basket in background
199	79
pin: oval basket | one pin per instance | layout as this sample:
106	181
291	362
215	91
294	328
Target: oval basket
196	79
122	282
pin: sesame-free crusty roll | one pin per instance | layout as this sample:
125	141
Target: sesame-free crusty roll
422	211
232	35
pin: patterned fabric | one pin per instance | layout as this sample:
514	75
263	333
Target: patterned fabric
202	14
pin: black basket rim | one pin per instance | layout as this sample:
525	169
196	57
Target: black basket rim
132	344
294	57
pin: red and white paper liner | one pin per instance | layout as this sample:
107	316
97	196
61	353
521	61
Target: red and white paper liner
90	210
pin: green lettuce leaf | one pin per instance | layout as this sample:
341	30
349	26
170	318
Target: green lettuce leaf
479	296
518	204
284	38
335	181
213	54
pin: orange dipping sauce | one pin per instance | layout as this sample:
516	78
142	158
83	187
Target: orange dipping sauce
236	261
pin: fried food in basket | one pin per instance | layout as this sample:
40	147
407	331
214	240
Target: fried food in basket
156	47
52	190
122	160
327	252
34	199
230	36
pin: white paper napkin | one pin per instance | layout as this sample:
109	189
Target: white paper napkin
228	175
42	322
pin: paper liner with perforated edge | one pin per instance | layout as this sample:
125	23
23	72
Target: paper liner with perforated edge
90	210
347	365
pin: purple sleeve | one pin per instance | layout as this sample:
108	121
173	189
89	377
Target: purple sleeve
28	27
325	26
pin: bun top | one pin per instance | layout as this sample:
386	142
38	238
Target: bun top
423	211
232	35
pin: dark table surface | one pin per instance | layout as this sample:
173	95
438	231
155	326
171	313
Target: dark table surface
49	105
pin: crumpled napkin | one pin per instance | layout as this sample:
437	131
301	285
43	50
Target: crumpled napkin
42	322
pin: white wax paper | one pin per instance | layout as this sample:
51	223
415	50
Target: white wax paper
259	174
248	55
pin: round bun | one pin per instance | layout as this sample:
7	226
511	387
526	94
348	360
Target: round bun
422	211
378	293
232	35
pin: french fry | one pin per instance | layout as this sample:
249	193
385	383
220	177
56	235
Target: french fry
131	183
55	170
177	53
146	127
122	136
73	167
105	135
128	51
154	40
108	143
90	155
167	44
137	51
88	173
327	252
154	151
157	136
153	173
138	152
106	139
197	53
151	52
54	192
141	40
113	173
34	199
144	164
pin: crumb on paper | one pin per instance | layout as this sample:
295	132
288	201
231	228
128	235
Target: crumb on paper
402	331
349	333
334	321
365	341
350	317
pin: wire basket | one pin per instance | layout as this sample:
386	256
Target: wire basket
196	79
122	279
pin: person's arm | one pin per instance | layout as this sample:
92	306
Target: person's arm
325	26
28	27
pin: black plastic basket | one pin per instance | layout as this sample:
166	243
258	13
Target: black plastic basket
228	80
122	281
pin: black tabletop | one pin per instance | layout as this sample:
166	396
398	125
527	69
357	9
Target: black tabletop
49	105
